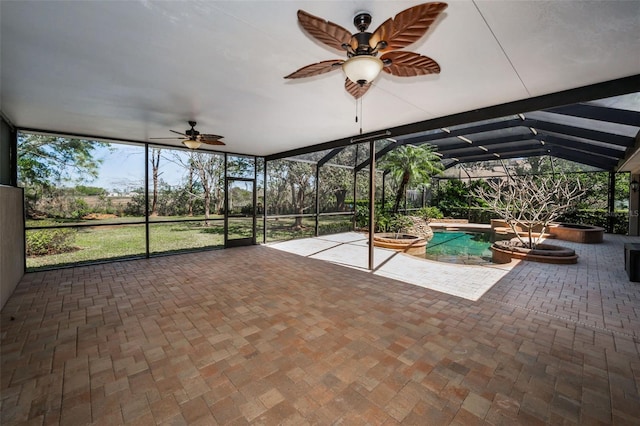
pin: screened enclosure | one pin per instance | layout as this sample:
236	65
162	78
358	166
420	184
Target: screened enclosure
92	200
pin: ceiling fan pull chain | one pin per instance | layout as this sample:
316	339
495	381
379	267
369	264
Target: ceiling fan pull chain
360	100
356	110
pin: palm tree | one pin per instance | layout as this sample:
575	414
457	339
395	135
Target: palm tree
411	164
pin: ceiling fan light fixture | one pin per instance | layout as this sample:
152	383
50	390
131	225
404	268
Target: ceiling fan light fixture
362	69
191	144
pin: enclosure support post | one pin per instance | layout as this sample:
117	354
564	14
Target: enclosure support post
264	205
355	176
317	196
146	199
372	198
255	197
611	202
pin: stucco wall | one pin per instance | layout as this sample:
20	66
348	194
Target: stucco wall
11	241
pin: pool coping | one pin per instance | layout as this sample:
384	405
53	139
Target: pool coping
451	226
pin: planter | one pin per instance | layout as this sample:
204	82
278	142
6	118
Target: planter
503	231
504	251
406	243
506	233
586	234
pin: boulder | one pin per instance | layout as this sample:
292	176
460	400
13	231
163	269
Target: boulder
419	228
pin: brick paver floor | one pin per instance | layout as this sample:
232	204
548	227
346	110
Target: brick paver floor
256	335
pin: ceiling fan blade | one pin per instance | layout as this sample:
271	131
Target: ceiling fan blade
409	64
355	89
175	139
316	69
208	137
212	142
178	133
331	34
407	26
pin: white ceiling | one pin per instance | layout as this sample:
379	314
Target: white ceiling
135	69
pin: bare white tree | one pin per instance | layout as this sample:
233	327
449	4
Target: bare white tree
530	201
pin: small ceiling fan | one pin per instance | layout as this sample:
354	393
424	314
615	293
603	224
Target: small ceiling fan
362	65
192	138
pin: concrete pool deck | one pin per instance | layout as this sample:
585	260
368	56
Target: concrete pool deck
351	249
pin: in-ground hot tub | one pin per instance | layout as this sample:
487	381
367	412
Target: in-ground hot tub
576	233
410	244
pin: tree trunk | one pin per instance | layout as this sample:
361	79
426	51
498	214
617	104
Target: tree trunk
155	163
300	208
207	201
401	190
340	194
190	190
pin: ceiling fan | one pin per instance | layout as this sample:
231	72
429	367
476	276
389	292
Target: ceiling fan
192	138
362	65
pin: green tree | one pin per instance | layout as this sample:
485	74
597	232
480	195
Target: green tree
411	164
300	177
210	170
336	181
47	162
90	191
277	201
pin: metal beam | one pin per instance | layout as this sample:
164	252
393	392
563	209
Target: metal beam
581	132
329	156
600	113
490	143
583	146
472	151
432	139
379	154
581	155
465	131
601	163
514	154
372	202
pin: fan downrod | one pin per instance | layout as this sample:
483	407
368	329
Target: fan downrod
362	21
192	133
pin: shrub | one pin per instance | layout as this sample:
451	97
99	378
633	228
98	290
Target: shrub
429	213
398	223
385	221
335	227
79	208
50	241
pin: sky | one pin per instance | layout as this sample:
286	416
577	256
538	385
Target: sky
122	169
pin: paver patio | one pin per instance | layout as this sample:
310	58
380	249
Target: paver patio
256	335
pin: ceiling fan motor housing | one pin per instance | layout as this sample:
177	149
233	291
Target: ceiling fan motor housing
192	132
362	20
362	41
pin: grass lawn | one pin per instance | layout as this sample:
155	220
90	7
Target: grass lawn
114	242
121	241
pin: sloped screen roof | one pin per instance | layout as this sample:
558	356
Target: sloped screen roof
590	133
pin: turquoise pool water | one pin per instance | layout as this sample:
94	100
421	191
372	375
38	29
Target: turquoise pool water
460	247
